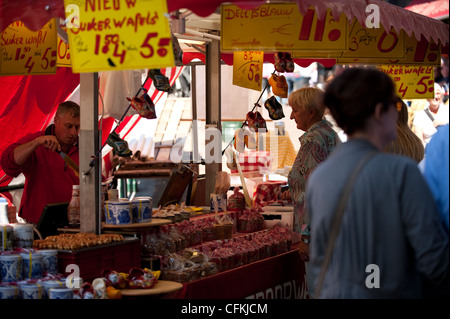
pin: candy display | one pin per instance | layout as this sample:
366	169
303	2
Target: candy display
251	220
236	201
219	255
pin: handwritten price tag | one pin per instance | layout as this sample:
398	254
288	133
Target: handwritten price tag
412	82
247	69
25	52
63	54
280	27
121	35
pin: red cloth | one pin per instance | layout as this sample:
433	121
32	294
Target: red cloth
28	104
267	192
48	179
254	161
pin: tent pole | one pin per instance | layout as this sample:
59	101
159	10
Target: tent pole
213	116
90	206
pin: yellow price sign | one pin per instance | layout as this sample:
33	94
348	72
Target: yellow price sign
25	52
412	82
63	54
247	69
280	27
119	35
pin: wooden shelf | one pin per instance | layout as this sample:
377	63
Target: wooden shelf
153	223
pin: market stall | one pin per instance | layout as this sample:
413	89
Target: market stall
230	255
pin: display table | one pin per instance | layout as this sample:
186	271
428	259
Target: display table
278	277
161	287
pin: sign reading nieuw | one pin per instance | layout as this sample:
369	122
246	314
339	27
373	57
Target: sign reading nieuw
119	35
247	69
25	52
280	27
412	82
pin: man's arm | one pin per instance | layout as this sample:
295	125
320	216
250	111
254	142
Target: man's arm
22	152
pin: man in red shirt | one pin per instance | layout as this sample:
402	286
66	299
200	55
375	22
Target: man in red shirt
48	179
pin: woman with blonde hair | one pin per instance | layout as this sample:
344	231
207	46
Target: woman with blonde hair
407	142
317	142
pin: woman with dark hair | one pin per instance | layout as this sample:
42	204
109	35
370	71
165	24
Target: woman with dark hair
389	239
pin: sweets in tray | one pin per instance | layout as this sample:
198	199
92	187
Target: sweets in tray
76	241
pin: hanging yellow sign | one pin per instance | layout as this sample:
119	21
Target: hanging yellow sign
247	69
412	82
280	27
25	52
119	35
63	54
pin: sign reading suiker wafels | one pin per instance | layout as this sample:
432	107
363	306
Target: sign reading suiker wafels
119	35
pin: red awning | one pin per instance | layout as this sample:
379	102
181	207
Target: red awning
437	9
34	14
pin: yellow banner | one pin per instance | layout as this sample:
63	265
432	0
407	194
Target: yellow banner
25	52
280	27
247	69
119	35
412	82
374	42
63	54
415	53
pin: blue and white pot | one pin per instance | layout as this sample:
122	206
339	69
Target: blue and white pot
10	267
142	209
9	292
118	212
31	265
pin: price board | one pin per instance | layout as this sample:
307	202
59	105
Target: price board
247	69
26	52
280	27
119	35
412	82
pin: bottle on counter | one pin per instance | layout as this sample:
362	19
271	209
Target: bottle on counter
73	210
